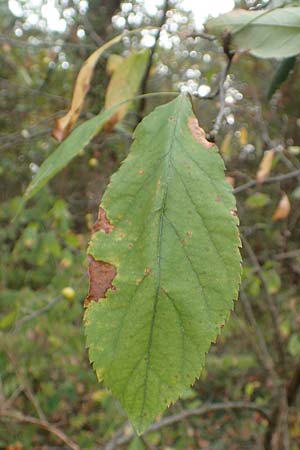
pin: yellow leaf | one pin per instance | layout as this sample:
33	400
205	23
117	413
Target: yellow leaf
265	166
113	63
225	146
64	124
124	84
283	209
243	136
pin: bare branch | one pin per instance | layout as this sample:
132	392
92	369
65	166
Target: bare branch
150	60
52	429
270	180
204	410
274	313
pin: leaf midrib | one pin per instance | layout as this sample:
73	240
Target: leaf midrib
159	251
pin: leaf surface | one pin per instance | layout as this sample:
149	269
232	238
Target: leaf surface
267	34
168	228
281	74
265	166
67	150
124	84
283	209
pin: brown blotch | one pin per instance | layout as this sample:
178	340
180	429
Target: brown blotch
102	223
108	127
198	133
101	274
141	172
233	213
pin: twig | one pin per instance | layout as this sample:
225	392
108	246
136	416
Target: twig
218	122
150	60
37	313
287	255
167	421
274	313
270	180
202	35
19	417
91	31
264	356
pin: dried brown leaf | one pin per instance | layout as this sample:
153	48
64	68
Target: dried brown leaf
64	124
265	166
283	209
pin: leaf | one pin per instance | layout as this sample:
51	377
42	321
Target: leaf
281	75
271	33
8	320
67	150
168	229
265	166
64	124
113	62
283	209
124	84
294	345
243	136
225	148
257	200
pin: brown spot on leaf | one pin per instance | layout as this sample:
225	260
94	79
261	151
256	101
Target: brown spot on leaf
101	277
102	223
141	171
198	133
233	213
189	233
101	274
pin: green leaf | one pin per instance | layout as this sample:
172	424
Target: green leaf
173	243
271	33
257	200
281	75
7	320
294	345
66	151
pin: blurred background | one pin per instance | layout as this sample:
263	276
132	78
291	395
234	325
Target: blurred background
45	376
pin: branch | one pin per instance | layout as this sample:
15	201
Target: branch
150	60
274	313
270	180
264	355
204	410
19	417
37	313
202	35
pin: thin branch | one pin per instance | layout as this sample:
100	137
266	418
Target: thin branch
274	313
218	122
150	60
202	35
287	255
37	313
264	356
270	180
204	410
52	429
